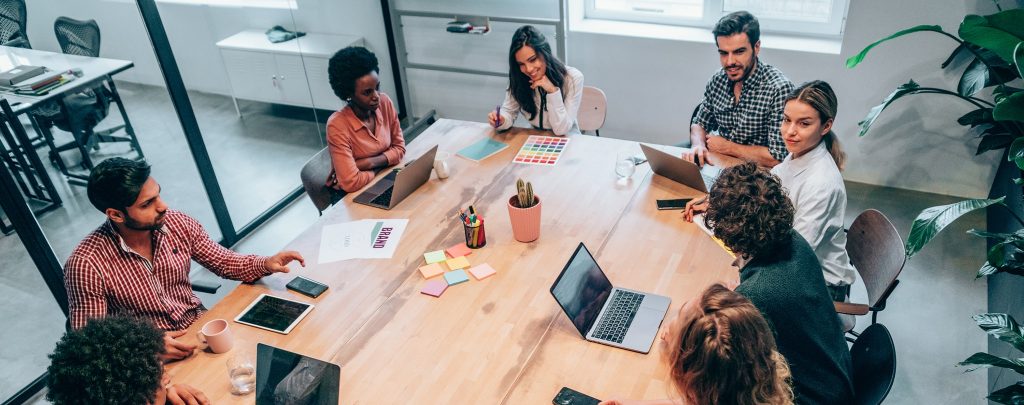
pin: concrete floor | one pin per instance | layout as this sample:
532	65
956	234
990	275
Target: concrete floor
928	314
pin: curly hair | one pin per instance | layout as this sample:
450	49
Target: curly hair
347	66
749	211
113	360
724	353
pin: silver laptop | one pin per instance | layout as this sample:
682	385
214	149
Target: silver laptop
681	171
605	314
393	188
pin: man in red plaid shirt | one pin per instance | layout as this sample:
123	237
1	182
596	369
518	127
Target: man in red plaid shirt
137	263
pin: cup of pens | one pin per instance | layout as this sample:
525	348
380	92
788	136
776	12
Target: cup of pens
473	225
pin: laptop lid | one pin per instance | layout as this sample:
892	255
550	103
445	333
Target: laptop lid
283	377
674	168
582	289
412	176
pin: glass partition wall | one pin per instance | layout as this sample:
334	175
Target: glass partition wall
225	117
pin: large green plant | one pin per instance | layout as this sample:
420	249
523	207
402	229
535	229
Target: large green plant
995	44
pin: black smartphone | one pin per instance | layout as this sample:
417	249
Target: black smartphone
306	286
676	204
569	396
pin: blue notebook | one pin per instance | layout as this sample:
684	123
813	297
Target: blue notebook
482	149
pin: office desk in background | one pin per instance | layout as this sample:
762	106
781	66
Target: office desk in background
503	339
20	153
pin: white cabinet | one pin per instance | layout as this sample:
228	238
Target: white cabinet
292	72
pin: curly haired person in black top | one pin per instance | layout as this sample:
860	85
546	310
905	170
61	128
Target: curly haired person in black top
114	360
749	211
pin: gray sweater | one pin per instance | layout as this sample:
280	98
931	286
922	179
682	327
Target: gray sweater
789	289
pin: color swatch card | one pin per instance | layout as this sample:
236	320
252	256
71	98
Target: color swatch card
541	150
482	149
456	277
432	270
435	288
457	263
482	271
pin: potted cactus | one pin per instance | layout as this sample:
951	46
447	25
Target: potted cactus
524	212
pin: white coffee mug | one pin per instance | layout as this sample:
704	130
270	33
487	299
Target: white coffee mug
441	164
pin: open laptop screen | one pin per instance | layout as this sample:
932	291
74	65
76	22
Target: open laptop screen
283	377
582	289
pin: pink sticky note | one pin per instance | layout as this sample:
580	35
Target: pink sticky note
482	271
432	270
434	288
459	250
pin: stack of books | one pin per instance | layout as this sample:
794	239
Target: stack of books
39	85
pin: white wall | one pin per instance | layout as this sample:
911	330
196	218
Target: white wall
652	86
194	30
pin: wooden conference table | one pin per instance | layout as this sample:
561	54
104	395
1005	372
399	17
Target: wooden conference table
503	339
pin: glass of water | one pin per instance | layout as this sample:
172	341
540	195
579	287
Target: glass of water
242	371
624	164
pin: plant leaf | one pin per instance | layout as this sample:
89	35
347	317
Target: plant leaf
999	32
1002	327
976	117
986	270
959	48
973	79
904	89
991	235
997	255
1011	394
993	142
1018	58
1016	149
1010	108
932	220
854	60
984	360
1018	181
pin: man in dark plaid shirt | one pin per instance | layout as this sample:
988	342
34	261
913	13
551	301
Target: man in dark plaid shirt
743	102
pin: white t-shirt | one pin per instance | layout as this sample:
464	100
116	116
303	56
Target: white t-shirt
562	106
816	188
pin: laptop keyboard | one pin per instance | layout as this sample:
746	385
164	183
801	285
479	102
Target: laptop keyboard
384	198
619	315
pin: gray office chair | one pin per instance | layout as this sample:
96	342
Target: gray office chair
314	174
593	110
13	20
877	252
874	365
81	112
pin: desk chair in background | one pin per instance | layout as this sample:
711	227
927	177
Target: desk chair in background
13	20
593	109
81	112
877	252
314	174
874	365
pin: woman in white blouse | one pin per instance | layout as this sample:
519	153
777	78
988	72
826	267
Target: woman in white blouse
541	87
811	176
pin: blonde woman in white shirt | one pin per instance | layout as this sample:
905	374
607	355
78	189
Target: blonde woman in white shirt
812	179
541	87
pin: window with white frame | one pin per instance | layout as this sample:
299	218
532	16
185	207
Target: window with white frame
820	18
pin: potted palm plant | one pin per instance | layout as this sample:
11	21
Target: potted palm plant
995	45
524	212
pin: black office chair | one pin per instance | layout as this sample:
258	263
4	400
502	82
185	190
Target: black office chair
874	365
13	19
81	112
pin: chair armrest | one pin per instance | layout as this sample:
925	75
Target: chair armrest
851	308
208	287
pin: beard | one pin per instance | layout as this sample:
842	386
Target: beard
748	69
133	224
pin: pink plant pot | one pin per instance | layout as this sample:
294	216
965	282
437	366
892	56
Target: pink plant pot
525	221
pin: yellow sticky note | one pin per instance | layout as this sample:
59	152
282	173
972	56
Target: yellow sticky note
432	270
458	262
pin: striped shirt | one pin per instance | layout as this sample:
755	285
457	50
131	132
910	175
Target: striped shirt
755	119
104	276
